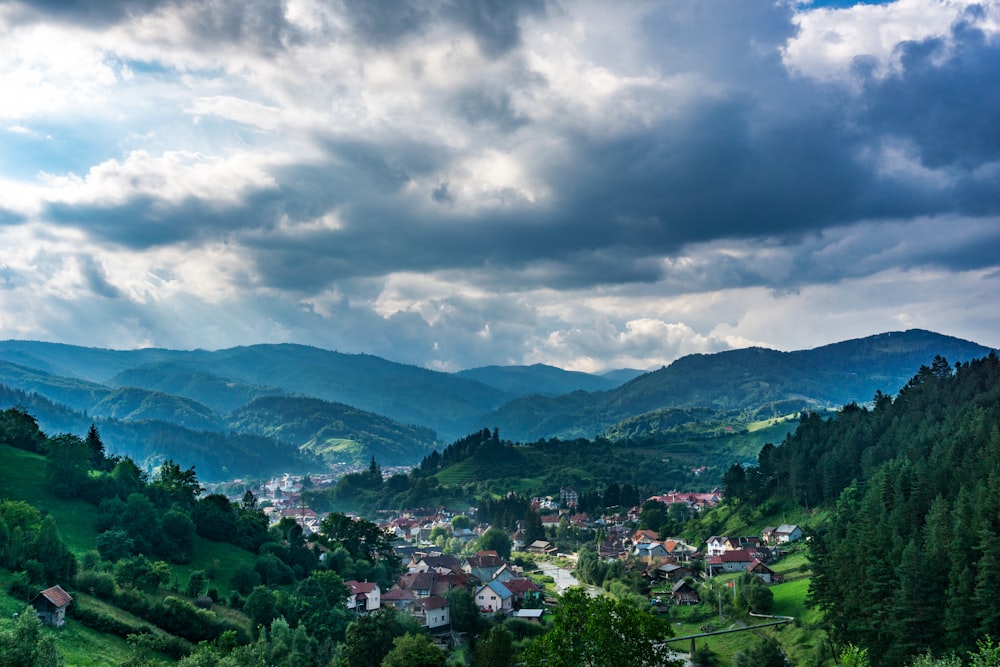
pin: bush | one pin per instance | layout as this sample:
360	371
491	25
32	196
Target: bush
101	584
20	586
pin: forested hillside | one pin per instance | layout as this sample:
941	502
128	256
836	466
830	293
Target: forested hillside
752	383
908	563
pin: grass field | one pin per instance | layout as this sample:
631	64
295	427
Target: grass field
23	478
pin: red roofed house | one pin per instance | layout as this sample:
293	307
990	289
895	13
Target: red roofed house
364	596
432	612
763	572
51	605
730	561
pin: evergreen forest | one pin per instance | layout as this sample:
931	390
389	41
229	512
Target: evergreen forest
907	564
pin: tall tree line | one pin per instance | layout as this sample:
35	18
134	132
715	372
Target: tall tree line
909	561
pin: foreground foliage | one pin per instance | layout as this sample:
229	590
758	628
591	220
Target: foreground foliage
601	632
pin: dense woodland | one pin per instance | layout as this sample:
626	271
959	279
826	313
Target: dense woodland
908	562
483	465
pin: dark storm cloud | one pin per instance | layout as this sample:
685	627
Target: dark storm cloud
495	23
146	222
945	99
384	23
91	12
488	106
97	281
258	23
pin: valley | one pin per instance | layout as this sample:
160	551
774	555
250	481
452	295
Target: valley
704	516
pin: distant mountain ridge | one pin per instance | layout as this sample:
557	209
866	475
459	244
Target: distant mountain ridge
743	381
331	404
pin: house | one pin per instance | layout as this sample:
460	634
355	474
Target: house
683	593
673	572
494	596
541	547
568	497
533	615
484	565
679	549
523	590
730	561
363	596
645	536
400	599
426	584
437	563
717	545
787	532
763	572
649	551
432	612
50	605
611	548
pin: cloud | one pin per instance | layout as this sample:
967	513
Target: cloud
455	183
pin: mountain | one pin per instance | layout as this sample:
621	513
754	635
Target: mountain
537	379
744	381
333	431
353	406
620	376
227	379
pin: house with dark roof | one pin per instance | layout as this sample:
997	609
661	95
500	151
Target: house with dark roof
432	612
763	572
50	605
683	593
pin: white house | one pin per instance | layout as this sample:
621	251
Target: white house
432	612
494	597
787	532
364	596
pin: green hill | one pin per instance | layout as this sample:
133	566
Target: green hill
333	431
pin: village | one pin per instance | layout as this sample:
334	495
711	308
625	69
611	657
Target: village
438	550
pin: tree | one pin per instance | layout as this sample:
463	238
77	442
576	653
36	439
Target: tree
98	457
413	651
177	536
600	632
497	540
463	610
23	643
854	656
174	485
142	573
68	460
763	653
215	518
260	607
361	538
19	429
369	639
461	522
115	544
496	649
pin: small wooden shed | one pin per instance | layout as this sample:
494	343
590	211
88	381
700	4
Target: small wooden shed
51	605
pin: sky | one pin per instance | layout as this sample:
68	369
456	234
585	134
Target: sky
459	183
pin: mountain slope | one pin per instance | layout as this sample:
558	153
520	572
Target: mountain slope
334	431
537	379
742	381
